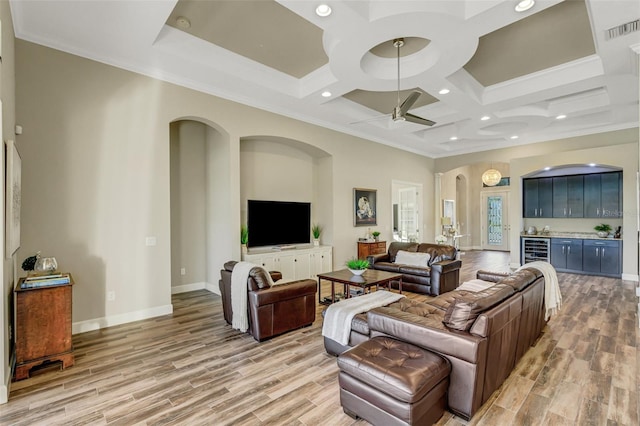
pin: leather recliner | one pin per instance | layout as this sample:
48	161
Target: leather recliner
273	310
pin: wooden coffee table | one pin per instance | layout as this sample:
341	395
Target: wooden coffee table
370	278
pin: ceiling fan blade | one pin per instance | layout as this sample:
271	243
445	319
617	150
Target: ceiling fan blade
408	103
419	120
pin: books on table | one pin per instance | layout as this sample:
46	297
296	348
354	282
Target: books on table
37	281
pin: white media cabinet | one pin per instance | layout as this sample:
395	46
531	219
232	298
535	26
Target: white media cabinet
295	264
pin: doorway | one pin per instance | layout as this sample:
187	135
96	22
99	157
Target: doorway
495	220
407	215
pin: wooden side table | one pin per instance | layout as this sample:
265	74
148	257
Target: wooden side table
366	248
43	327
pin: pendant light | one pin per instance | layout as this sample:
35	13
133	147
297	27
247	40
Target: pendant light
491	177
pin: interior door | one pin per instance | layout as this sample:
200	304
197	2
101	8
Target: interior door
408	215
495	221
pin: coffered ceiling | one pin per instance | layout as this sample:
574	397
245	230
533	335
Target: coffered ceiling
518	71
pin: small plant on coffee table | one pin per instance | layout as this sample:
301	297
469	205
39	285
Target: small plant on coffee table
357	266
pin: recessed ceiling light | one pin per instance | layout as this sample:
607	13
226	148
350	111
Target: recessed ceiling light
323	10
453	138
485	118
592	164
547	168
183	22
444	91
560	117
514	137
326	94
524	5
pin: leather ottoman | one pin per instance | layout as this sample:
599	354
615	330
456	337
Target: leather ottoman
390	382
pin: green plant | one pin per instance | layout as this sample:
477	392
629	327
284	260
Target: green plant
244	234
316	230
603	227
357	263
375	234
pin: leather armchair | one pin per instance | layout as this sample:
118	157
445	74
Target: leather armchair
273	310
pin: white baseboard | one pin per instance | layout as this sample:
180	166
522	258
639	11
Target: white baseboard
98	323
213	288
188	287
630	277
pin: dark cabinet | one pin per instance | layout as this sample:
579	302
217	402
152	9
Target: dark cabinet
602	257
538	197
568	196
603	195
566	254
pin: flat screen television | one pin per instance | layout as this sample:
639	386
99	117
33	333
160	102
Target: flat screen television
273	223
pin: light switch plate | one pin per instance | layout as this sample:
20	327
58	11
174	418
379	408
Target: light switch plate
151	241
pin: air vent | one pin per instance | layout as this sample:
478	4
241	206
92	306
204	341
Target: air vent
623	29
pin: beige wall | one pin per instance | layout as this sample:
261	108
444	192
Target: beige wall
97	178
7	95
188	202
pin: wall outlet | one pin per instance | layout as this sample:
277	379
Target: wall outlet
111	296
183	271
150	241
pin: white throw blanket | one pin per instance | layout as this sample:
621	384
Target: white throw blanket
552	295
239	277
337	318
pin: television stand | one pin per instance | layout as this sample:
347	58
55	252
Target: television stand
286	247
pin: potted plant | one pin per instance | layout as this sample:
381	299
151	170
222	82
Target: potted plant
316	230
244	238
376	235
603	230
357	266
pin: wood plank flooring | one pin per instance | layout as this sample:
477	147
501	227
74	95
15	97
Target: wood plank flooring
191	368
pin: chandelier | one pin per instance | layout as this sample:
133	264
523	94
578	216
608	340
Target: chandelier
491	177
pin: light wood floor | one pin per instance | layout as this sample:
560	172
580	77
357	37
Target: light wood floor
190	368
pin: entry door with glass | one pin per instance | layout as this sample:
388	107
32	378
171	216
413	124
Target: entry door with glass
495	225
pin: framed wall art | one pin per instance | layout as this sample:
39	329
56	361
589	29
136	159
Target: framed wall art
364	207
13	193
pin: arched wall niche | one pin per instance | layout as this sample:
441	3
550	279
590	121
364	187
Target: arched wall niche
202	225
283	169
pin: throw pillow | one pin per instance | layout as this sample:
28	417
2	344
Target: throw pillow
412	258
464	310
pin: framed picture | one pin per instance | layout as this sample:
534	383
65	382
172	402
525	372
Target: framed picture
364	207
13	199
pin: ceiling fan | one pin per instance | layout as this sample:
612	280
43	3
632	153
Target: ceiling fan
401	111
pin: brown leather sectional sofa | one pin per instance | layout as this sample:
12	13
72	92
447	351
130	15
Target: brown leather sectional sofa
482	334
441	275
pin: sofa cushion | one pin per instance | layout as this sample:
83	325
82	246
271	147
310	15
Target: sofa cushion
420	271
412	258
359	324
396	246
387	266
521	279
438	252
463	312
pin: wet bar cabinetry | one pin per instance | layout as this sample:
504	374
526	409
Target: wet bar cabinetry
538	197
592	256
597	195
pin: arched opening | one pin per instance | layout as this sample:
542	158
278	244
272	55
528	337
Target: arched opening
202	231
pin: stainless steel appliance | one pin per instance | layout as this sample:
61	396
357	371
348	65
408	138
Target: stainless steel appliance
535	249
